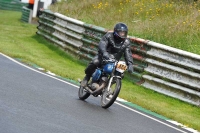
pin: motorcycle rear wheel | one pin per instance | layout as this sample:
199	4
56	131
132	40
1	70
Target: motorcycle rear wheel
109	97
82	93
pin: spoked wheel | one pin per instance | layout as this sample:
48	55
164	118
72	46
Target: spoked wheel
109	97
82	93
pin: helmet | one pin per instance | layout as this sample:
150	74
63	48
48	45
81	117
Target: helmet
120	31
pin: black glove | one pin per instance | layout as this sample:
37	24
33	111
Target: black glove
106	55
130	68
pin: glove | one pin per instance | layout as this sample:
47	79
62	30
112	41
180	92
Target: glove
106	55
130	68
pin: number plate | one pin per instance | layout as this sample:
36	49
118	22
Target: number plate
121	66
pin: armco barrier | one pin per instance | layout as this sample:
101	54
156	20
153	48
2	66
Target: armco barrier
167	70
26	14
13	5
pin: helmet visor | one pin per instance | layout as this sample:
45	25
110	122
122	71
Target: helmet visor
122	34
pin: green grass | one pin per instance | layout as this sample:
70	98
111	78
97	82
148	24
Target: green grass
19	40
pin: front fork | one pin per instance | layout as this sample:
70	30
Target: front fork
110	82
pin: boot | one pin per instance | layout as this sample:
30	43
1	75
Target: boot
85	81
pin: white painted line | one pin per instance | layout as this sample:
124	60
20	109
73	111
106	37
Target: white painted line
121	100
181	125
115	102
150	117
53	74
38	71
42	69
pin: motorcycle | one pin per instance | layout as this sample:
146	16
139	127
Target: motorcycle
105	82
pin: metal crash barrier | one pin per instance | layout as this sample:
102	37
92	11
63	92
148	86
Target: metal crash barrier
26	14
13	5
164	69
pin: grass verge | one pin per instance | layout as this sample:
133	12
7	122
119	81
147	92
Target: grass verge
19	40
172	22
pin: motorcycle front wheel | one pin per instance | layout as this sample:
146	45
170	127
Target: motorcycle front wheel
82	93
109	97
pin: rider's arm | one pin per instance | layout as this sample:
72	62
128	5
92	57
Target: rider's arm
128	53
103	44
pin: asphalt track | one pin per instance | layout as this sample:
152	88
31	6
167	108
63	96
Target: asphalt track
35	102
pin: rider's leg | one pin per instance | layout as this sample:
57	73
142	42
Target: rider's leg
90	70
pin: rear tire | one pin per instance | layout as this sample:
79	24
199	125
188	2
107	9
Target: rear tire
82	93
108	98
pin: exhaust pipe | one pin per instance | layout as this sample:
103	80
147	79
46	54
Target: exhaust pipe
99	89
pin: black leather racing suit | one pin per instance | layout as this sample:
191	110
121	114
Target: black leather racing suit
113	46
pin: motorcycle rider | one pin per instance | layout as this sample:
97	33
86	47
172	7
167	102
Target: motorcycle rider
115	43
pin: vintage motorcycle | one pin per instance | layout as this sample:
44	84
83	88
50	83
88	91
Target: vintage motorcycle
105	82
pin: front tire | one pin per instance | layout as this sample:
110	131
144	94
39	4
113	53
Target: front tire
109	97
82	93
